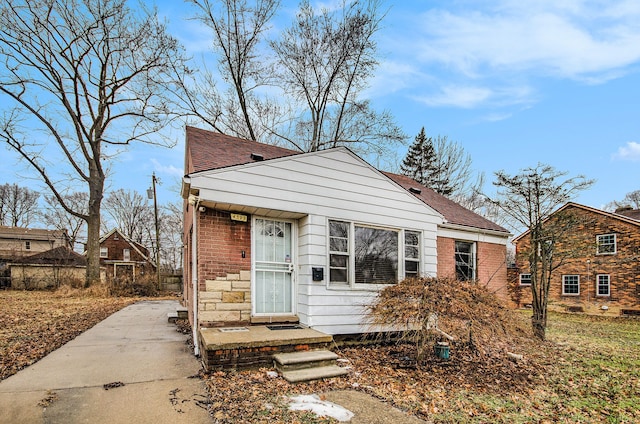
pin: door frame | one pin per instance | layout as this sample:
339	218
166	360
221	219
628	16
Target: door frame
294	268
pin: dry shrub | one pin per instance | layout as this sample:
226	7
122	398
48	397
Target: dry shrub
97	290
143	286
467	311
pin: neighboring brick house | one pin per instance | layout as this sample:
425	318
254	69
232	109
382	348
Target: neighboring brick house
17	242
123	258
601	269
275	235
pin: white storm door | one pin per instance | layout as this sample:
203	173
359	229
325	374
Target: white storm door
273	267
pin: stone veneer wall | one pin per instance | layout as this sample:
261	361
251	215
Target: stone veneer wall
226	301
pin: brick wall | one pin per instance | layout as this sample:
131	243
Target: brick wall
224	275
579	247
491	268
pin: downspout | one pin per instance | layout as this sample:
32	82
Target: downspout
194	277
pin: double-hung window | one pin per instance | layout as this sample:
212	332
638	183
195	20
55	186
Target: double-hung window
525	279
606	244
604	285
570	285
361	254
465	261
104	252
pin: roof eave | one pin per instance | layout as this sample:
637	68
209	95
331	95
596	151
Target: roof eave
478	230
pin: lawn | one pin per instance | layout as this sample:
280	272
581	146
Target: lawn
34	323
587	371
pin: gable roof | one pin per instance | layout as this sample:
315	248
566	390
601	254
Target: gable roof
589	209
137	246
630	213
61	255
209	150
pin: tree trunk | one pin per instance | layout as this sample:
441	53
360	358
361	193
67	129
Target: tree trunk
539	323
96	187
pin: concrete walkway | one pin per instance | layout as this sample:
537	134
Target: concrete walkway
135	346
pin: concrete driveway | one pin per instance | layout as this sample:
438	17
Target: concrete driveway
141	358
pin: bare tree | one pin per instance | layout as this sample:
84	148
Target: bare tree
57	217
529	198
131	213
83	79
171	233
18	205
304	93
238	28
631	200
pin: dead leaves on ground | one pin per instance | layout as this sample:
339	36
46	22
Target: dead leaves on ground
32	324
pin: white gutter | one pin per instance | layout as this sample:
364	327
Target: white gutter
194	276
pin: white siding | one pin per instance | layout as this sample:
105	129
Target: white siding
316	187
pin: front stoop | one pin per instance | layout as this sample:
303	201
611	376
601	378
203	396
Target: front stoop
310	365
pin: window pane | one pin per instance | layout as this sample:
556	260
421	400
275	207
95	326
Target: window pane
571	284
603	285
339	229
465	263
411	267
411	238
339	261
411	252
338	244
607	243
525	279
337	275
376	256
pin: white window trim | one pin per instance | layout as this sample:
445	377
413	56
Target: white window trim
520	279
598	285
615	244
351	283
570	294
27	245
106	252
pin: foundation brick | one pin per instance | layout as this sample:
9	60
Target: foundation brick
232	297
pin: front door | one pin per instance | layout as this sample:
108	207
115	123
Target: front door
273	253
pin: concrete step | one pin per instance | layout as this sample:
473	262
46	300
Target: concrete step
304	359
308	374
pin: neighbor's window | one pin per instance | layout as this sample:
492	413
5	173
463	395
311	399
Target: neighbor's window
376	255
126	255
338	252
465	261
104	252
525	279
606	244
27	245
411	254
604	285
571	284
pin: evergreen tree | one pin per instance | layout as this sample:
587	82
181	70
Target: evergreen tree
422	164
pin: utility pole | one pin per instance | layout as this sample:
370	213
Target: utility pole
150	193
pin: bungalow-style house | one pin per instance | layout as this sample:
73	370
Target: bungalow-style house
277	236
600	272
123	258
17	242
48	269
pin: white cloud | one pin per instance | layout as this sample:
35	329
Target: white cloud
167	169
467	97
630	152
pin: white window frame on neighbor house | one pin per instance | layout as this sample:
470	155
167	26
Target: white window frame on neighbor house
524	277
27	245
610	245
576	283
126	255
342	240
603	280
104	252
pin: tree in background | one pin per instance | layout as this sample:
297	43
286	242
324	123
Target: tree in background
54	215
130	212
303	90
529	198
18	205
445	167
631	200
81	80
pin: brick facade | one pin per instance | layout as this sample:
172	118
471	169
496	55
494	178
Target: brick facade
491	267
622	267
138	261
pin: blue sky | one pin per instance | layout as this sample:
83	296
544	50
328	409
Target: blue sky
515	83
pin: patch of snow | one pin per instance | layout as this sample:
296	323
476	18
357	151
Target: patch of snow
320	407
272	374
342	360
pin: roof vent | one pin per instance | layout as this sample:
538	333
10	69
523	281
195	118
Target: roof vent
415	190
257	157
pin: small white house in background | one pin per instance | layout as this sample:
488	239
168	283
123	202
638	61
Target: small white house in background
274	235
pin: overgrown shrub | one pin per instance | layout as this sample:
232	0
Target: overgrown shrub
429	309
